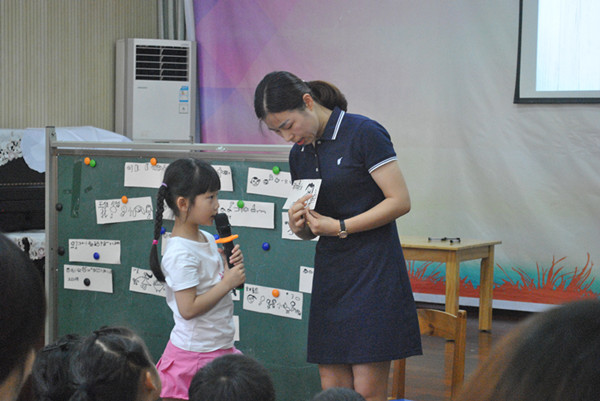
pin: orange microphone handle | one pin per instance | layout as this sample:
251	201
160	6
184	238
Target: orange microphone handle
226	239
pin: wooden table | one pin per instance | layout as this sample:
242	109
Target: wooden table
420	248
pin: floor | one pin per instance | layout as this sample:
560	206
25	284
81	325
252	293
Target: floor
426	378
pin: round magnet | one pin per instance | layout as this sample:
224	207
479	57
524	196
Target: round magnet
240	204
275	293
87	161
153	161
87	282
163	231
124	199
92	163
266	246
276	170
96	255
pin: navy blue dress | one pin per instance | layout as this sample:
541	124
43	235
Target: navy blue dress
362	307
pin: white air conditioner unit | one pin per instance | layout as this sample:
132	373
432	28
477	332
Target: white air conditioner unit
155	90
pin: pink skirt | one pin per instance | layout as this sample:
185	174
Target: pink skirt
177	368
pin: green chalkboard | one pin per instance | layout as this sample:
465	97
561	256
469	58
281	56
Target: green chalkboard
278	342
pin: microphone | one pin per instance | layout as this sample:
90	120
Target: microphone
225	237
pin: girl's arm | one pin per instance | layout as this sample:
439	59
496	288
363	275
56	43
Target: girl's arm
191	305
390	180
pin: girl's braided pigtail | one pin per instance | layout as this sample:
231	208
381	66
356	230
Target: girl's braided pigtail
154	261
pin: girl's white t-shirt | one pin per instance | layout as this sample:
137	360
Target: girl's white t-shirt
187	264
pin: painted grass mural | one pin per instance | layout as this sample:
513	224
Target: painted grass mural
555	284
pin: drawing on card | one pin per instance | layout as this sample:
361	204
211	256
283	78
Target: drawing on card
250	214
225	176
265	182
95	250
88	278
143	281
144	175
115	211
273	301
301	188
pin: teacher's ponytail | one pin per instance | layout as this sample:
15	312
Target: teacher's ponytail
328	95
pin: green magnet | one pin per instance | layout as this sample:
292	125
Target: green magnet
240	204
92	163
276	170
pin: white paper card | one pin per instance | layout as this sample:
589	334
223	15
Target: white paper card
143	281
306	278
286	231
88	278
262	300
144	175
165	240
236	322
225	176
301	188
115	211
265	182
252	214
95	251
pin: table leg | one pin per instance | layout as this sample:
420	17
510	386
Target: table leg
485	291
452	283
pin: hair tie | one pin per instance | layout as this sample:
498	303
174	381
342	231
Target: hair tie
164	185
154	242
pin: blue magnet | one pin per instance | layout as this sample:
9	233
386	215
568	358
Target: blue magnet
163	230
96	255
266	246
216	236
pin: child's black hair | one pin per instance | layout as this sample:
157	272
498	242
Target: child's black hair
108	365
50	377
187	178
232	377
22	307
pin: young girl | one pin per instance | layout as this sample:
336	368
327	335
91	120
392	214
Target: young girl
113	363
199	283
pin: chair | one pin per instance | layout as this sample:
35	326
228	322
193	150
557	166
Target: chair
438	323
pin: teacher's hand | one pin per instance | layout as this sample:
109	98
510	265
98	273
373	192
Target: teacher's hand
322	225
297	215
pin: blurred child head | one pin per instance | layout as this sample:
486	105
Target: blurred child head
553	355
114	364
22	316
232	377
50	377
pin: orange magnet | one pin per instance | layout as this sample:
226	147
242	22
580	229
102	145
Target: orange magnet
275	293
87	161
153	161
124	199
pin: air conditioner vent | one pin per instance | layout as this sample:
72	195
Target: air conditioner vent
161	63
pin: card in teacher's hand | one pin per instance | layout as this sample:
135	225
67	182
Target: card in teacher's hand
301	188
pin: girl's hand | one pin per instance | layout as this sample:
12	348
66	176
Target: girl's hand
235	276
236	256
